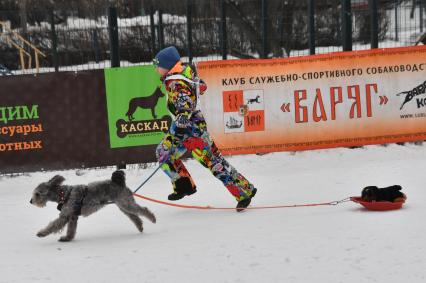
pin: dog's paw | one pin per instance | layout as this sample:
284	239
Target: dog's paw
64	239
152	218
140	229
148	214
41	234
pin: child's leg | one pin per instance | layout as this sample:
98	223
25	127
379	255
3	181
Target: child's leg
169	152
205	151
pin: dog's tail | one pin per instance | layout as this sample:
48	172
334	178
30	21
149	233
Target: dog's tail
119	177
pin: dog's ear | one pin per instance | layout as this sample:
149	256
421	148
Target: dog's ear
371	188
368	193
57	180
364	192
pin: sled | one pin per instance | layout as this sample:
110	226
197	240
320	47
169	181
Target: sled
378	205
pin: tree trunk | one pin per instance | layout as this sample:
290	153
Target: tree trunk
23	17
413	9
244	24
288	14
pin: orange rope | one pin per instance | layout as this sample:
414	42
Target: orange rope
233	208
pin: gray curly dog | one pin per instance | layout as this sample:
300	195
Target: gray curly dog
84	200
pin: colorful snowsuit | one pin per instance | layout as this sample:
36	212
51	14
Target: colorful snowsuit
189	132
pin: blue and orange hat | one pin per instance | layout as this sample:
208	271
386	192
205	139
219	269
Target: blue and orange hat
167	58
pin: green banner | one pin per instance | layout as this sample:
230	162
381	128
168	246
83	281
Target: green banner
137	106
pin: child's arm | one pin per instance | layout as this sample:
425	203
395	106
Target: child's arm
184	101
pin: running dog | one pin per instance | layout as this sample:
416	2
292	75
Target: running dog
85	200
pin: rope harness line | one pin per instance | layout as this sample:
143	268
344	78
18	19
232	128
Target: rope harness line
147	179
207	207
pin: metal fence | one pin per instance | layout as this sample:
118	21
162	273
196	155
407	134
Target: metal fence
209	30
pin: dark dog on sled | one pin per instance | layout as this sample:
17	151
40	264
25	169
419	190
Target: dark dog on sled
84	200
147	102
392	194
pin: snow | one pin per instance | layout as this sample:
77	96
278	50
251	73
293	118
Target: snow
343	243
102	22
77	68
107	64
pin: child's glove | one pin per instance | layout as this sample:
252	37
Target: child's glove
203	87
182	120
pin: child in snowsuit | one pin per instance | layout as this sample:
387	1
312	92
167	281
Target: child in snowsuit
188	131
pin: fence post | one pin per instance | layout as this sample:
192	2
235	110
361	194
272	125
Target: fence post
311	26
189	28
152	25
23	10
113	46
54	41
160	29
264	27
396	22
346	25
113	37
223	33
96	45
374	24
421	3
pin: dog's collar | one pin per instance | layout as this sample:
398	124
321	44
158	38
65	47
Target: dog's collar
62	196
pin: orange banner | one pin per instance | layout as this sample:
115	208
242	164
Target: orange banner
334	100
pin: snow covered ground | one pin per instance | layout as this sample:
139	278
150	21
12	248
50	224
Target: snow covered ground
342	243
